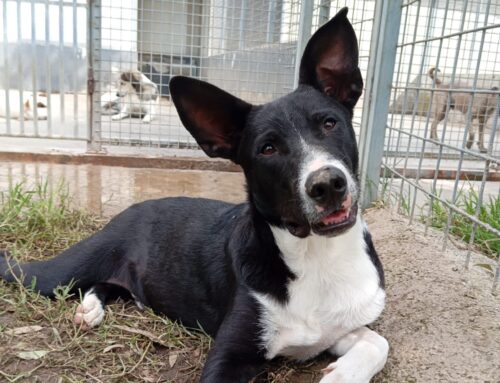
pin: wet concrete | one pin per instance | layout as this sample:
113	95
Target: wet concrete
107	190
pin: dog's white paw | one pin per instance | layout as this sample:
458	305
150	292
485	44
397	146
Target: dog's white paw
147	118
119	116
340	373
90	312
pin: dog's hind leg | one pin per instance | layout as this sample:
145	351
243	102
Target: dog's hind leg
482	121
90	312
470	138
438	117
88	262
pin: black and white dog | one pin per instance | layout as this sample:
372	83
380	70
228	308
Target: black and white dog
292	272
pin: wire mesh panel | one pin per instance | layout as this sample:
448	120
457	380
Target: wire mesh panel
43	68
245	47
442	151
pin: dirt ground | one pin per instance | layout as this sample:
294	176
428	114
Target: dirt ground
442	322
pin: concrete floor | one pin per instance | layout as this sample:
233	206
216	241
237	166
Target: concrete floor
68	120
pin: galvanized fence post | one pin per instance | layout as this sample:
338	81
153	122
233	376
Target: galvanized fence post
93	83
378	90
305	26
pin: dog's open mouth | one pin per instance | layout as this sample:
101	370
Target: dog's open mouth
337	221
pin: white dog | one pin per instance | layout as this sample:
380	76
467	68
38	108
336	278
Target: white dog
28	105
138	96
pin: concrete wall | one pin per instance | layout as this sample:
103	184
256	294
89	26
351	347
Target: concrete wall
51	66
257	75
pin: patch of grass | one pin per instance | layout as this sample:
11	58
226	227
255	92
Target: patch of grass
468	200
37	221
129	346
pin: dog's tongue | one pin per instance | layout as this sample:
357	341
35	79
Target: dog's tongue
336	217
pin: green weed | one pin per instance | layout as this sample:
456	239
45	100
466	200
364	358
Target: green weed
462	227
36	221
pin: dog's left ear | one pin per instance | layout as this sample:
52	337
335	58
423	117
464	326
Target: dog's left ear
330	61
214	117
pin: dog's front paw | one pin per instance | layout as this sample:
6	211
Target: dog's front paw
119	116
90	312
338	373
147	118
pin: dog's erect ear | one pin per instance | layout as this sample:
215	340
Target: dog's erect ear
125	77
213	117
330	61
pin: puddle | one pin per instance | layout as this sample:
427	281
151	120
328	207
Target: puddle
107	190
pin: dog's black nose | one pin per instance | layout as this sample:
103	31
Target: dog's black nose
327	186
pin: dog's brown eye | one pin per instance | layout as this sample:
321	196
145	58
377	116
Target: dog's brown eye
268	149
329	124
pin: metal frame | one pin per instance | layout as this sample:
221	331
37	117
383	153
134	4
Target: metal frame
305	26
465	25
378	89
94	86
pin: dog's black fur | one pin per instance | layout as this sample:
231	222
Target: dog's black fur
198	260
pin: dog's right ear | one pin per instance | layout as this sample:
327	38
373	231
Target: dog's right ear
214	117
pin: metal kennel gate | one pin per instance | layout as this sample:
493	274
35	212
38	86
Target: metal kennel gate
250	48
43	69
246	47
444	181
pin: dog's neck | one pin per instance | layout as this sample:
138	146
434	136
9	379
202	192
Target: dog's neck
295	251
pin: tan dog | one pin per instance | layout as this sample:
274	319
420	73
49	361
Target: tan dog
483	105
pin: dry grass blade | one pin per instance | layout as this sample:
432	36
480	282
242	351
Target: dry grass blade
152	337
23	330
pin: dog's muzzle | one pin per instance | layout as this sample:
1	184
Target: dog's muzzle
327	187
328	190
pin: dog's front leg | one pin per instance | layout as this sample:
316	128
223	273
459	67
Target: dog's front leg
237	355
362	353
123	114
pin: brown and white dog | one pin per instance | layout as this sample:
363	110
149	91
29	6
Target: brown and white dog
138	95
482	106
27	110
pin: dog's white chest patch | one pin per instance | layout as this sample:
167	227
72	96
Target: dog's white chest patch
336	290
